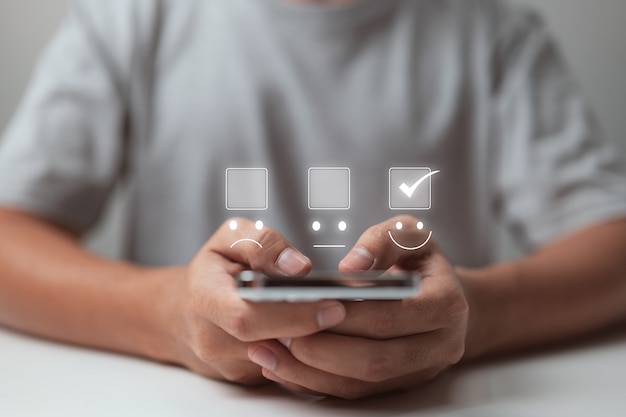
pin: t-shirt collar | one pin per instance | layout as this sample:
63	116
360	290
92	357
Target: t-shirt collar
315	17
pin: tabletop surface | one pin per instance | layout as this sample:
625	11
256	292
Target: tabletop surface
43	378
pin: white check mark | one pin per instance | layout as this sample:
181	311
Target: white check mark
410	190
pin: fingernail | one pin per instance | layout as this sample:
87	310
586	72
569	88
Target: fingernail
330	314
359	259
285	341
291	262
264	357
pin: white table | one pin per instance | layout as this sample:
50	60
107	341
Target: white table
42	378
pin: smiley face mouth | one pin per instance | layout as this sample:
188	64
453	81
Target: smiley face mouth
246	240
420	226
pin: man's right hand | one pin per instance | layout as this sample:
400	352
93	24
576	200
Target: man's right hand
213	325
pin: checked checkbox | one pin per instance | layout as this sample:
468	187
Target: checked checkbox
410	188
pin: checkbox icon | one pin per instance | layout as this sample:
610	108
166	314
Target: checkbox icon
410	188
246	189
329	188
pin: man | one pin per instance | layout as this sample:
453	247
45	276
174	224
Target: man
168	95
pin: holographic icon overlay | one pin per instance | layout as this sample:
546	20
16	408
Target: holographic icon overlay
410	188
329	188
247	189
339	227
234	225
417	227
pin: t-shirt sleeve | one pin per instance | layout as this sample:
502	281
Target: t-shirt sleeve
556	172
61	154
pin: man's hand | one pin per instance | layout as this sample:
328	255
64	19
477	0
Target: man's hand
215	325
382	345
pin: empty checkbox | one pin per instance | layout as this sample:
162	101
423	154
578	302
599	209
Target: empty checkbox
246	189
329	188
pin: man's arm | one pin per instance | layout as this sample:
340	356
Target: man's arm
556	172
569	287
189	315
52	287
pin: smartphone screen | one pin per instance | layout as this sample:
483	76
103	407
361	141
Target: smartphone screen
371	285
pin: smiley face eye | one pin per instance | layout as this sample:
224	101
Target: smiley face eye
233	225
316	226
400	226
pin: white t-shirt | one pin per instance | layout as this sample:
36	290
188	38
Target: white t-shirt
171	94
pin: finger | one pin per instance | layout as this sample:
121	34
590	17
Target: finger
353	389
440	303
299	389
373	360
403	240
280	366
258	247
381	320
248	321
239	371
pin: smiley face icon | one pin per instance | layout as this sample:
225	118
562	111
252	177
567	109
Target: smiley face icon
410	230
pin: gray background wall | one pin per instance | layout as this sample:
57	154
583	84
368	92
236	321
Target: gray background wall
592	34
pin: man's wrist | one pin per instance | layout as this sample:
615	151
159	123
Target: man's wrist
158	312
487	291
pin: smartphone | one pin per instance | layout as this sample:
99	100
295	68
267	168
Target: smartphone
371	285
